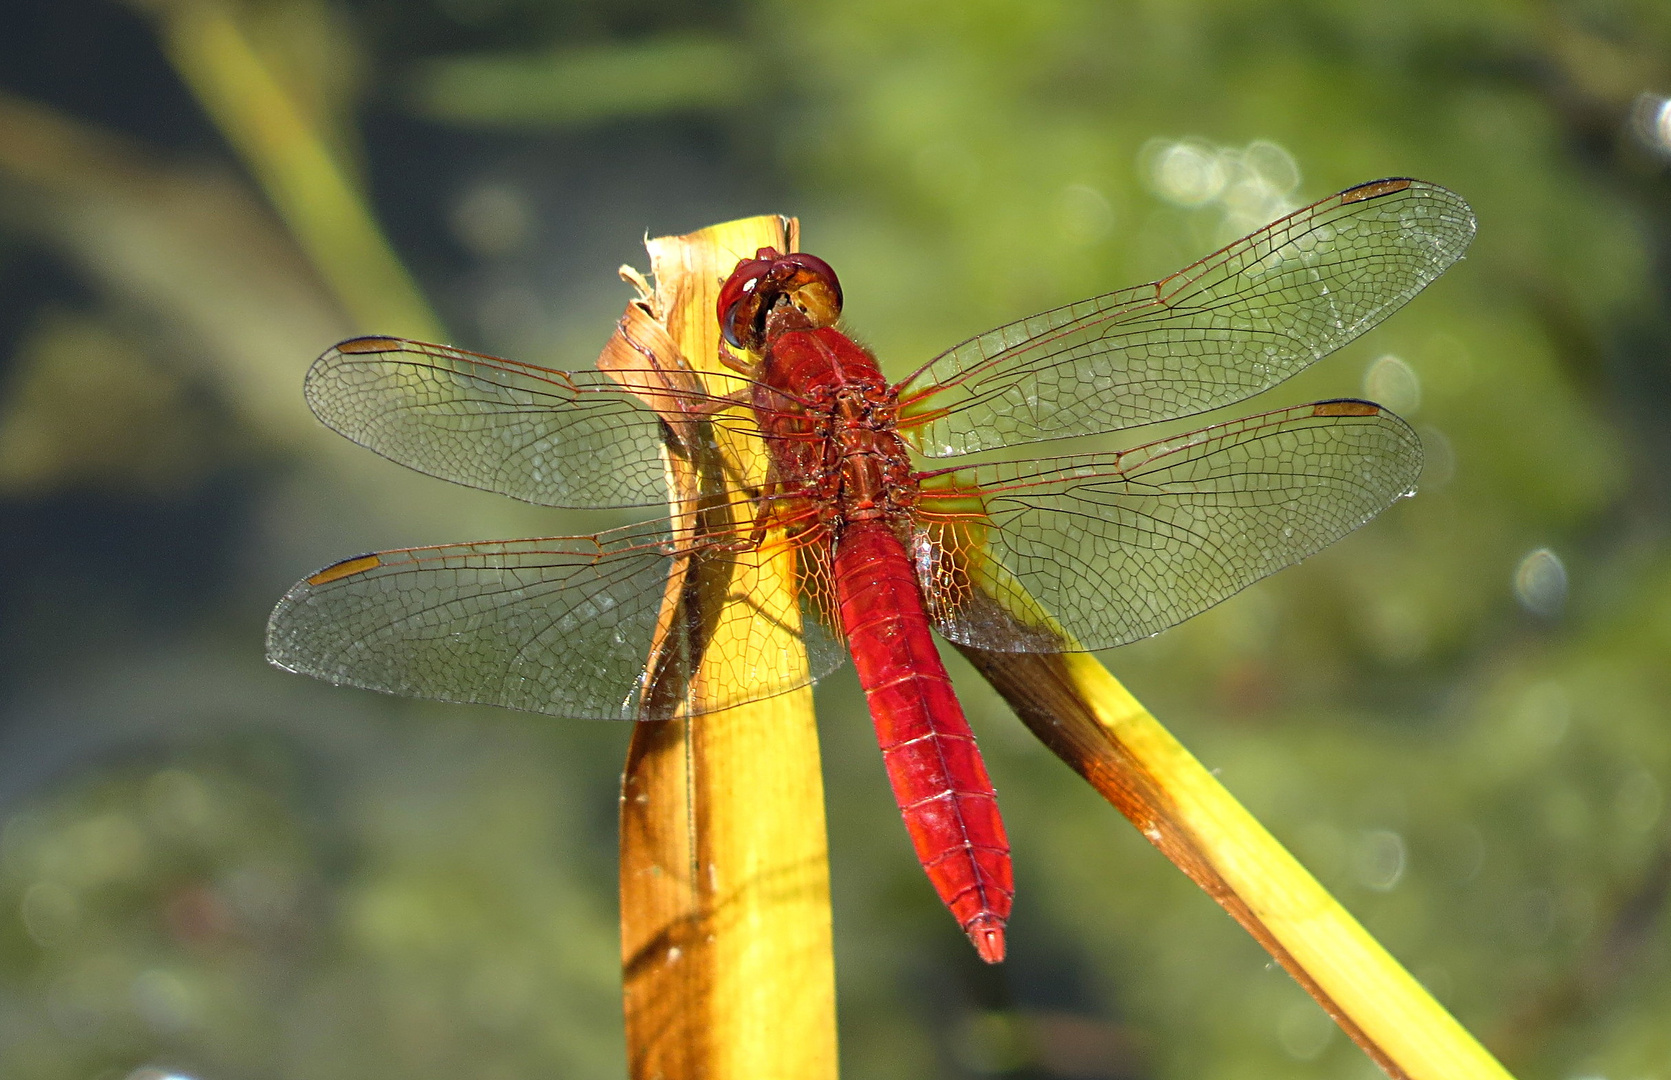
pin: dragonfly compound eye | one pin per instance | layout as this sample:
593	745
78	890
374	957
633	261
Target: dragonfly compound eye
801	289
811	287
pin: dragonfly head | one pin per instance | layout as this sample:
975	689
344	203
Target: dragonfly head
774	292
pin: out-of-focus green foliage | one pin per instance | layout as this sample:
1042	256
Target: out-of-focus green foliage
244	908
1479	773
586	85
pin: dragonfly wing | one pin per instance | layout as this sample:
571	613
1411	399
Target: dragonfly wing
565	626
554	438
1236	323
1103	549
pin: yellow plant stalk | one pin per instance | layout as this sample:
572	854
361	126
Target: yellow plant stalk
725	908
324	208
1072	703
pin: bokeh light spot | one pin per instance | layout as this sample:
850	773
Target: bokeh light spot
1304	1030
492	219
1252	185
1380	859
1274	166
1084	215
1389	381
1438	459
1540	583
50	912
1639	801
1187	173
1650	120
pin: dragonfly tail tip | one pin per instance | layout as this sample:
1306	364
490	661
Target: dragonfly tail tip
987	935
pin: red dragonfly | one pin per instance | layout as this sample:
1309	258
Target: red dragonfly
1085	551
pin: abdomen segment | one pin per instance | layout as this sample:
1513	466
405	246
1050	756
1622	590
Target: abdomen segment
938	778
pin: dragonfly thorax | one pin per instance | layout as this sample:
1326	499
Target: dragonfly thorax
830	422
872	465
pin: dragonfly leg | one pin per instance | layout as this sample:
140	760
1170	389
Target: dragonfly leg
729	359
763	509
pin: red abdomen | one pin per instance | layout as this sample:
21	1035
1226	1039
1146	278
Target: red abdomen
936	771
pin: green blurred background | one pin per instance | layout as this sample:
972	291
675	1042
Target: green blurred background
1459	718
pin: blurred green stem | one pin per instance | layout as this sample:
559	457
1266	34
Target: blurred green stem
323	206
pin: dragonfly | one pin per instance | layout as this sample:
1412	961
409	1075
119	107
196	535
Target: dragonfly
896	501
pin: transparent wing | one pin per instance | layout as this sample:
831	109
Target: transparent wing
554	438
1110	548
567	626
1237	322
